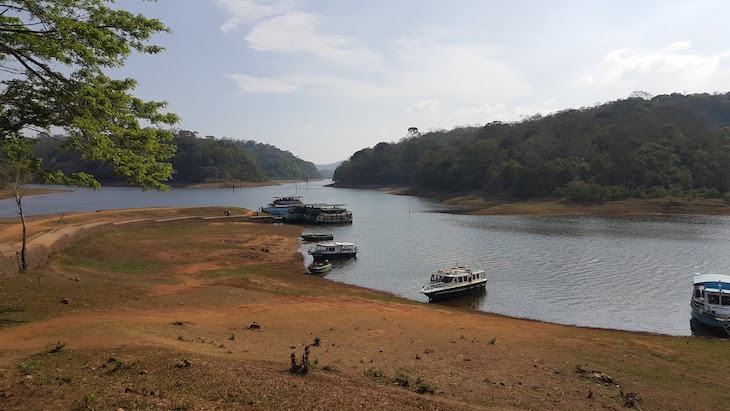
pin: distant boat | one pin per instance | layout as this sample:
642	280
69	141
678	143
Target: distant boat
331	250
319	267
280	205
318	214
711	301
317	236
454	281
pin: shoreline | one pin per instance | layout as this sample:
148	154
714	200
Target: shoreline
187	309
475	204
32	191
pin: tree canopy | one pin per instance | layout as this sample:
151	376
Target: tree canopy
197	160
53	55
635	147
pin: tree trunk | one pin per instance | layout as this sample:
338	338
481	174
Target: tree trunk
23	265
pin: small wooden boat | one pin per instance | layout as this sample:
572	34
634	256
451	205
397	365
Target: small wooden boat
319	267
454	281
317	236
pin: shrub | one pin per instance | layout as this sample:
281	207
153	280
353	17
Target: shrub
425	388
303	367
402	378
372	372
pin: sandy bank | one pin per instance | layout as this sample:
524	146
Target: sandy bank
205	315
32	191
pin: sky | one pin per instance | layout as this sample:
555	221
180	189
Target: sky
326	78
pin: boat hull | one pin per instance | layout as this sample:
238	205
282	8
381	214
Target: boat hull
278	211
319	269
332	256
706	320
317	237
445	294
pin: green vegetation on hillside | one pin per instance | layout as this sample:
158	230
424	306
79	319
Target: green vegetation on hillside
197	160
279	164
669	145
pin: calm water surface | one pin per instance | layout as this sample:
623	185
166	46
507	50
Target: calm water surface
630	273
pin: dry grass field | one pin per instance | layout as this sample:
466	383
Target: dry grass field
206	316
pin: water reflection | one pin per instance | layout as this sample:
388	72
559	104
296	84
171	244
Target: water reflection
474	300
701	330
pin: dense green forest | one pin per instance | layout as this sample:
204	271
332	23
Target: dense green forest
667	145
279	164
197	160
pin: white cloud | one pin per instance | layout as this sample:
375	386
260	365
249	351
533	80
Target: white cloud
500	112
244	11
425	106
296	31
253	85
674	65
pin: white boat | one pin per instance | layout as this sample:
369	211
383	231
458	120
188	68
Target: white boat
711	300
333	249
450	282
280	205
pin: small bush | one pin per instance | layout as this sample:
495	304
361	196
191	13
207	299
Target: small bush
316	341
425	388
372	372
30	366
328	367
402	378
303	367
492	341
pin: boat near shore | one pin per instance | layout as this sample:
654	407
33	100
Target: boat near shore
279	206
711	301
319	267
317	236
331	250
318	214
454	281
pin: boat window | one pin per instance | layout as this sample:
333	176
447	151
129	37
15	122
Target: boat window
713	298
698	294
447	279
726	300
432	278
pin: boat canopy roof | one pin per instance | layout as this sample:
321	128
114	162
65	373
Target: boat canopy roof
320	205
459	270
334	243
714	282
288	197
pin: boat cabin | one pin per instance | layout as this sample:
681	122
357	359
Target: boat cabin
458	278
713	293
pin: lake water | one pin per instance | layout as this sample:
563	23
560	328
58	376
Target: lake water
630	273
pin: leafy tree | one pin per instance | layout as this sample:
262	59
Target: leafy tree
642	146
53	55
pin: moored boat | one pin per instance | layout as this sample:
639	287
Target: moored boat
318	214
711	301
319	267
317	236
333	249
280	205
454	281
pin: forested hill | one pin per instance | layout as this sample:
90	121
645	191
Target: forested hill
669	145
197	160
279	164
